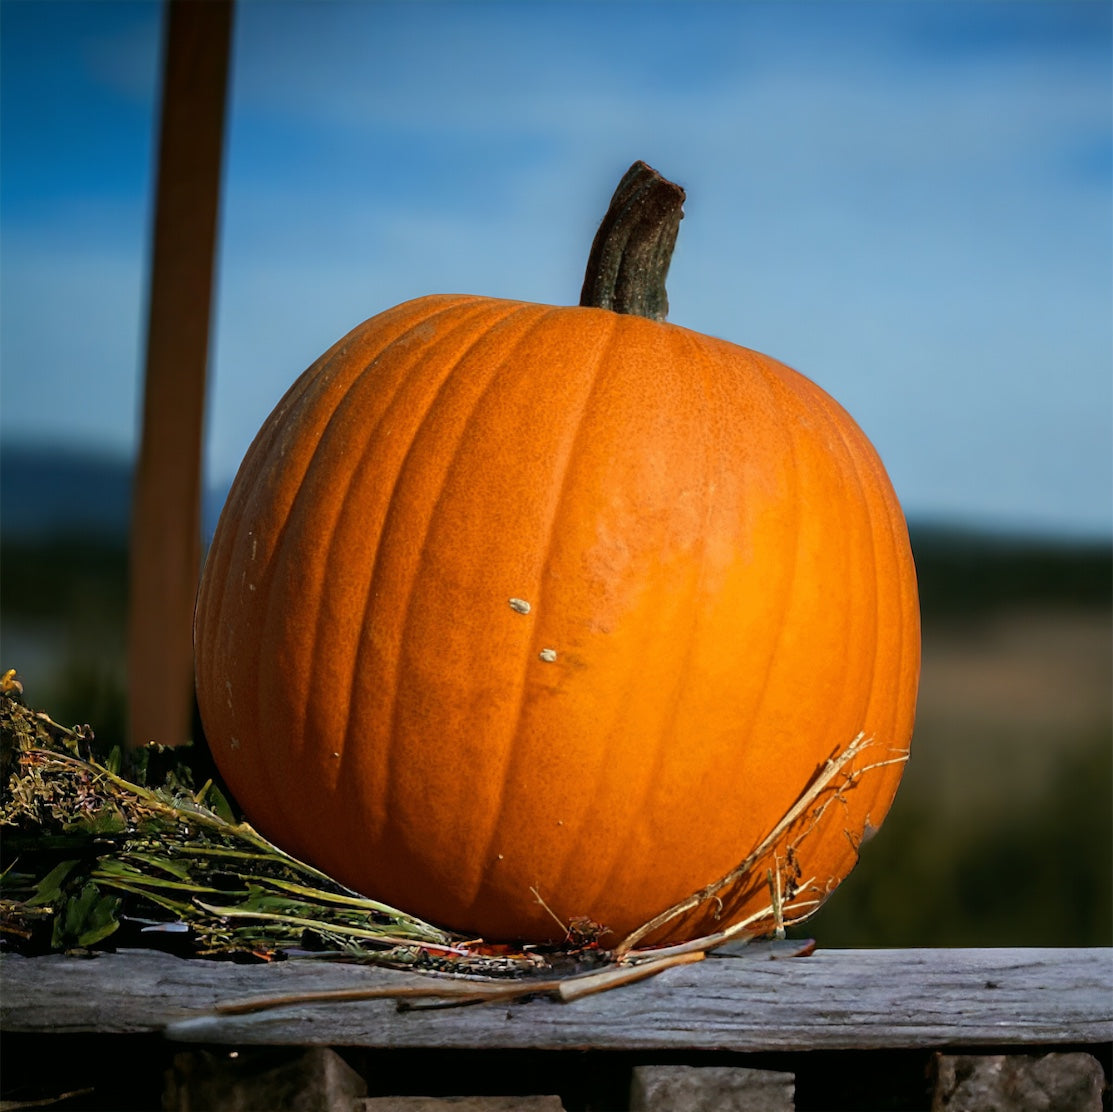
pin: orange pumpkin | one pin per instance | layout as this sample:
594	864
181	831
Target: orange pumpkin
518	614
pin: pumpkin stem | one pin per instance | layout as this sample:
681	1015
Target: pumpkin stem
630	257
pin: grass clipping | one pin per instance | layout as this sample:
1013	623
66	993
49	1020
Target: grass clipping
120	849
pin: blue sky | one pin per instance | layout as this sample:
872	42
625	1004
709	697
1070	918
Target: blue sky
910	202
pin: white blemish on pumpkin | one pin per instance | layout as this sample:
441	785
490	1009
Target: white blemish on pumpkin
520	605
234	742
336	755
500	856
228	688
548	655
254	544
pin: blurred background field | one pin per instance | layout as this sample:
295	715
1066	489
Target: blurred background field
1002	833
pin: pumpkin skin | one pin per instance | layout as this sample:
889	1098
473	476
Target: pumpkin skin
720	591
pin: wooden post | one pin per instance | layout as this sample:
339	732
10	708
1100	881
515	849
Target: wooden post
166	502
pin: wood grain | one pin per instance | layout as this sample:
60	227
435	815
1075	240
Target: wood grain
742	1001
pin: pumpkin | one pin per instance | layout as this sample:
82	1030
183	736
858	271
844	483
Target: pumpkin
520	615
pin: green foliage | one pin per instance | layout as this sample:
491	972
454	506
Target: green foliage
87	917
88	851
970	574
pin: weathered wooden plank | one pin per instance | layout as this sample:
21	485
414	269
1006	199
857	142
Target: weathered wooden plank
835	999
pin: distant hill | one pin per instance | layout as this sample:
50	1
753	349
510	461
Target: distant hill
63	490
46	492
60	491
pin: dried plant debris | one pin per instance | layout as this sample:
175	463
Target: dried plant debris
95	853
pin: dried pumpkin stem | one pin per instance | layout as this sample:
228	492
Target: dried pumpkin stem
630	257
